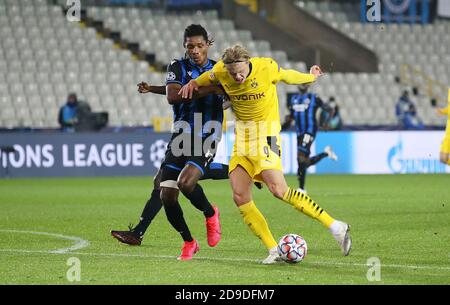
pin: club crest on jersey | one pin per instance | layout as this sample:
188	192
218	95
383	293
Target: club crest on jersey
170	76
254	83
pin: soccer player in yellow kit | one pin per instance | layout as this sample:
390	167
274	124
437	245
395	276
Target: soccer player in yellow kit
444	154
251	86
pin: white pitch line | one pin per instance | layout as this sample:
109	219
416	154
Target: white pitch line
79	242
395	266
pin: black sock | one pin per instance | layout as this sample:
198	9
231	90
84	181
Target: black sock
315	159
152	207
199	200
302	174
174	214
216	171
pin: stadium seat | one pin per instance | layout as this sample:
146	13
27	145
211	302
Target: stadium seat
420	45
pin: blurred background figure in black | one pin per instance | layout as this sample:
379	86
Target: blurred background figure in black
77	115
68	114
406	113
330	120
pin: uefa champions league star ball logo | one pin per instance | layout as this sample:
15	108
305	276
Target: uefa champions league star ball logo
397	6
158	152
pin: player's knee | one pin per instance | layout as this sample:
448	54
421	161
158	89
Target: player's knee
277	190
186	185
302	159
241	198
169	195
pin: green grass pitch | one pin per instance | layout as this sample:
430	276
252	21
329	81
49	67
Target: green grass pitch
403	220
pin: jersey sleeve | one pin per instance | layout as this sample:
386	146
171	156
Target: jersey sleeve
443	110
292	77
174	73
209	77
274	69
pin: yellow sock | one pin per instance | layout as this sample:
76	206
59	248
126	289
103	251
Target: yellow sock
258	224
307	206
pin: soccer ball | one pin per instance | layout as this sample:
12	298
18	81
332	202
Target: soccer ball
292	248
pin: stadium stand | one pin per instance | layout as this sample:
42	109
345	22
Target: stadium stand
43	57
422	47
160	33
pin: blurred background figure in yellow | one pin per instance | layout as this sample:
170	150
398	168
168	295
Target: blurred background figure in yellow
444	154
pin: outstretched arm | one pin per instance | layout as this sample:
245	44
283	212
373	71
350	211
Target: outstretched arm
173	96
293	77
194	85
143	87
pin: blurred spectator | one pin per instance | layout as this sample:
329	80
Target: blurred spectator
326	122
406	113
68	114
72	113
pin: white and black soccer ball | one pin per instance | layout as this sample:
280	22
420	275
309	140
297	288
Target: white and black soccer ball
158	152
292	248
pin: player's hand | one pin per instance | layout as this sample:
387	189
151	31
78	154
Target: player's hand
316	71
187	90
143	87
226	102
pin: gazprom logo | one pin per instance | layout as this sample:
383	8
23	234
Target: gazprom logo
398	164
395	156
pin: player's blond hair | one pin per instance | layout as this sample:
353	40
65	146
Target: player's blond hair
236	53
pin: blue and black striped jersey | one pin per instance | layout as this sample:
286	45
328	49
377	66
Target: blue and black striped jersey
210	107
303	109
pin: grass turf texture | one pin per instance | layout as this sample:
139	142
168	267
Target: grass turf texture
404	220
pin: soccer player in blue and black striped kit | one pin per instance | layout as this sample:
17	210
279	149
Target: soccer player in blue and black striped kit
303	109
199	122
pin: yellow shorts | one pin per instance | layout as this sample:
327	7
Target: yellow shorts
445	146
267	156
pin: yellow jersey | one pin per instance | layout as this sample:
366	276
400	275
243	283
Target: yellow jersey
447	112
256	99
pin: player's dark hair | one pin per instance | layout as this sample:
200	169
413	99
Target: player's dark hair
196	30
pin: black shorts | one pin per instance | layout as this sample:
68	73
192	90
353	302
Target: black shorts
174	164
304	143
